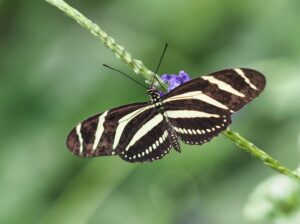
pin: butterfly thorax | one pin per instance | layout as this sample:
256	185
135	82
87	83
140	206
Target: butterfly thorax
154	95
156	99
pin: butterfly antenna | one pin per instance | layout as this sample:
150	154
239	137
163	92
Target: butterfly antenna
107	66
166	46
159	63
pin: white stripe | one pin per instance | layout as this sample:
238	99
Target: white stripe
242	74
197	95
99	130
145	129
188	114
223	85
124	121
78	132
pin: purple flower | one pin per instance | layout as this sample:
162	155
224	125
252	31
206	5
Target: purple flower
175	80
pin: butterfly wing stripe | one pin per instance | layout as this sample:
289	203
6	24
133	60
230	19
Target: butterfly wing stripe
124	121
242	74
197	95
100	129
78	132
223	85
145	129
188	114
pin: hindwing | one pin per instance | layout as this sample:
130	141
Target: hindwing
196	122
151	141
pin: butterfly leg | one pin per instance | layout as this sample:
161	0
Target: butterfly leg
173	137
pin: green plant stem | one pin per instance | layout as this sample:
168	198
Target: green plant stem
139	68
119	51
258	153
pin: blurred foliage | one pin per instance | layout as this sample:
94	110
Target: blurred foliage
51	78
276	200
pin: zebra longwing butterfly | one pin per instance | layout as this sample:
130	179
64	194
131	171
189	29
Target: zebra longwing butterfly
194	113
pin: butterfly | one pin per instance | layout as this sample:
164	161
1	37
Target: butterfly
194	113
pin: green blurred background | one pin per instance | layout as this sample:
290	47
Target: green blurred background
51	78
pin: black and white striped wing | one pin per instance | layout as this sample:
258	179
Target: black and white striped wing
196	122
135	132
201	108
149	142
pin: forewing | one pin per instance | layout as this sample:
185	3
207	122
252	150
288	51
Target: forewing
200	109
229	89
103	134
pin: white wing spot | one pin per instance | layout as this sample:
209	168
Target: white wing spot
161	139
153	146
166	134
150	148
199	132
157	143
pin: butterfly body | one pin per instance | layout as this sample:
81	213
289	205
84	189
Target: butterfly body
194	113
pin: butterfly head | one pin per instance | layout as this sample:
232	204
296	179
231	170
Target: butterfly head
154	94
